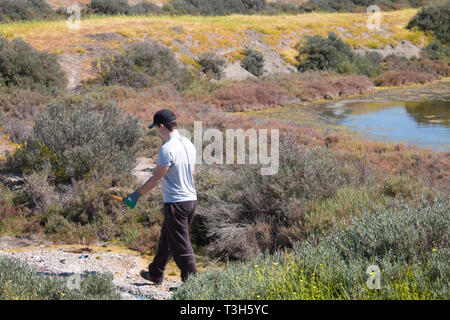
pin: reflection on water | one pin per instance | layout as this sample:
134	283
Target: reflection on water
430	112
421	123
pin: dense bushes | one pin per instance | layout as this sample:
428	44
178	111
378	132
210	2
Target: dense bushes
115	7
319	53
211	7
433	68
401	78
253	62
435	50
282	90
251	95
15	10
20	282
265	213
409	244
357	5
146	7
191	7
211	64
435	18
145	64
23	66
78	140
110	7
331	53
215	8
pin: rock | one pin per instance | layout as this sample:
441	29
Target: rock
143	169
235	72
404	48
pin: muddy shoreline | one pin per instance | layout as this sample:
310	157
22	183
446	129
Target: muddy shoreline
72	260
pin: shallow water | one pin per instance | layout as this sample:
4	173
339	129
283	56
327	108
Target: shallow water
418	115
425	124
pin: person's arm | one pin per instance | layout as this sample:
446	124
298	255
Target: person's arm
154	180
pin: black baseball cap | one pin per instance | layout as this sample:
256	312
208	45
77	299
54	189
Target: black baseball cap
164	116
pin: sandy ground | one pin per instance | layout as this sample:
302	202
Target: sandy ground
70	261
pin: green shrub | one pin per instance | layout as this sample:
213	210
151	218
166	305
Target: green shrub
264	212
76	141
110	7
6	197
357	5
16	10
436	18
118	7
319	53
331	53
145	64
145	8
366	66
404	232
409	243
19	281
282	7
348	202
54	222
436	51
23	66
211	64
39	191
327	5
215	8
253	62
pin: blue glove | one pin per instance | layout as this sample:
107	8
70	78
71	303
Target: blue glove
132	199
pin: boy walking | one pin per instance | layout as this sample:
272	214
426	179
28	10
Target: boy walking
175	169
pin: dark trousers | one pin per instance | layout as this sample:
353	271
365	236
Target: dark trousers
174	241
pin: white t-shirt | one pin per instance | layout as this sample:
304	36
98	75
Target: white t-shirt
179	154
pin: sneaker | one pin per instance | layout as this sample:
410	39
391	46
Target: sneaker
146	276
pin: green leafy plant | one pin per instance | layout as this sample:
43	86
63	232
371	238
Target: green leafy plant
77	140
434	18
145	64
211	64
21	10
23	66
253	62
19	281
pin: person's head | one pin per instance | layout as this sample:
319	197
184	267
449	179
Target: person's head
165	123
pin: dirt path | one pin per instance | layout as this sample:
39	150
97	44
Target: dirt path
69	260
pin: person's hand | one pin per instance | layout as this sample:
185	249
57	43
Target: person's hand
132	199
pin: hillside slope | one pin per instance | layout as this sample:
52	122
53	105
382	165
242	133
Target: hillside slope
228	36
